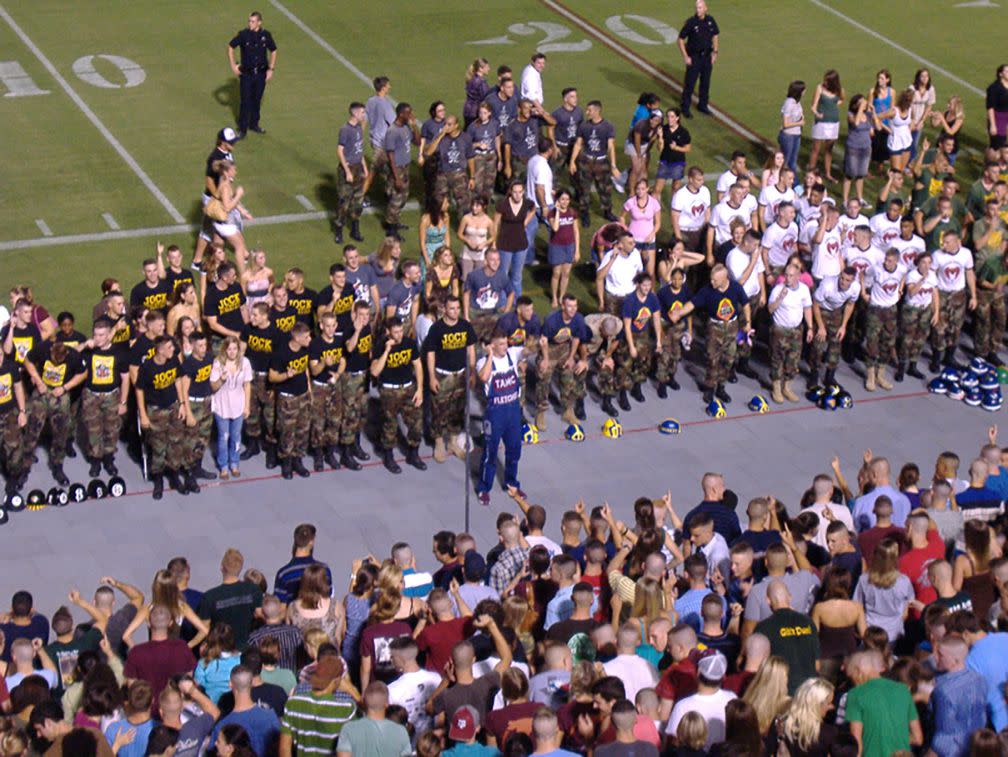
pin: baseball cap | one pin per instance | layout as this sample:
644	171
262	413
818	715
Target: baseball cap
329	669
464	724
227	134
473	565
712	665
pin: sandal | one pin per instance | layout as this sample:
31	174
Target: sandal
235	473
223	474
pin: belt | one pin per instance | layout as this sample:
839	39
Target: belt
253	71
443	372
596	159
260	373
321	383
356	373
452	173
290	394
397	386
719	321
98	393
484	152
198	399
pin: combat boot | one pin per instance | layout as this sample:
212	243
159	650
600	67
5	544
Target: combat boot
347	460
869	380
440	451
413	458
775	392
786	390
388	460
881	380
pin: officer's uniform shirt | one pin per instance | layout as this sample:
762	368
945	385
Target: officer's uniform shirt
449	344
831	298
198	372
699	34
558	331
25	340
320	349
226	306
254	48
259	344
54	374
158	382
304	305
359	359
720	306
885	286
670	301
283	320
104	369
352	140
152	298
639	312
284	359
399	365
791	311
951	269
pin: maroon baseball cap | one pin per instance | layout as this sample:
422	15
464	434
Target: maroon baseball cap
464	724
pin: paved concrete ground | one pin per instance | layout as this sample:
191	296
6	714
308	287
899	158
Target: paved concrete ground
51	550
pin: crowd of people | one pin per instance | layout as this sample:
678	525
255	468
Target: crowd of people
858	621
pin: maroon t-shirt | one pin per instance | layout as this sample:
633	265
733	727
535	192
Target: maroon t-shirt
157	661
870	538
514	718
437	640
374	643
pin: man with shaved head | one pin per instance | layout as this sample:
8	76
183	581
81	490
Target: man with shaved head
881	712
755	651
158	660
792	636
465	688
548	685
719	506
880	473
289	637
958	700
635	672
978	500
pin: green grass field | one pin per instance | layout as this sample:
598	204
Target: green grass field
62	171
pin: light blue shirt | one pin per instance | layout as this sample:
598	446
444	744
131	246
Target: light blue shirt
561	607
138	747
863	516
999	483
989	658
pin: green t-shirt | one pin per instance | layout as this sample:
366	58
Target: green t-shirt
994	270
885	709
793	637
374	738
930	207
233	604
281	677
64	655
977	198
925	187
994	241
933	239
314	722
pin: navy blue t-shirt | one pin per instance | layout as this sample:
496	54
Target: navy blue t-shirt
559	332
517	334
639	312
671	301
720	306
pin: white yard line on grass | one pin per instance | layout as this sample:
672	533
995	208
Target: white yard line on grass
321	42
896	46
92	117
43	227
111	221
304	202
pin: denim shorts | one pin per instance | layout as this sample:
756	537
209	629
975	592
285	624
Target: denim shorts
558	254
671	171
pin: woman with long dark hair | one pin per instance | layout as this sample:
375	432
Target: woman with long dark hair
476	88
792	121
826	101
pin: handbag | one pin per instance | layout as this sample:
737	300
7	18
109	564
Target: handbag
215	210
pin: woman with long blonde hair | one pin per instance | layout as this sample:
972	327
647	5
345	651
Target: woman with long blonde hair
884	591
231	382
768	692
382	627
803	729
166	593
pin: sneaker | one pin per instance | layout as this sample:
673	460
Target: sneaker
620	183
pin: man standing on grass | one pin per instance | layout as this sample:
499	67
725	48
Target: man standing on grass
698	43
258	59
351	174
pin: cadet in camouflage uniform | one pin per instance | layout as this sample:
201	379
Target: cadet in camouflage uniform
196	396
13	419
520	139
104	399
400	392
593	160
401	134
351	174
883	320
790	304
259	339
989	319
485	133
642	337
449	347
55	370
453	151
919	314
672	297
357	353
162	415
563	347
327	364
953	267
832	308
605	363
288	372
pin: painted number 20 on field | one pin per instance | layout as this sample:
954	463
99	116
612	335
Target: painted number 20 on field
555	38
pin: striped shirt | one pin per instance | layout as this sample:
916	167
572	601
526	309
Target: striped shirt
288	637
314	722
288	578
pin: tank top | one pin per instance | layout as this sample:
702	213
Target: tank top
434	238
357	609
882	104
981	590
828	108
837	641
329	622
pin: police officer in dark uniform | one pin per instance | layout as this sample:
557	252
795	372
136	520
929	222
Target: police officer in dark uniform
698	43
256	69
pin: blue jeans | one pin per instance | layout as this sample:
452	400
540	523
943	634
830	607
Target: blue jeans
530	235
789	144
228	441
501	424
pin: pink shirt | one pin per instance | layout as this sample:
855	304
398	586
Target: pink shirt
229	400
641	221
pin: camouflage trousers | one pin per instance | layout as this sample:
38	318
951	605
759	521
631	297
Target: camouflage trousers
785	352
830	349
561	168
327	414
448	404
454	185
13	442
56	411
198	436
350	194
952	307
484	174
880	336
354	396
101	420
572	386
744	350
605	377
671	351
395	402
612	305
635	370
722	344
293	424
915	329
594	173
165	438
988	321
483	323
261	423
396	196
379	161
519	170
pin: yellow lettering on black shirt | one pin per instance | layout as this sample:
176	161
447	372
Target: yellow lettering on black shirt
399	358
343	305
792	631
6	388
260	343
203	374
158	301
229	304
285	324
102	370
364	344
457	340
298	364
165	378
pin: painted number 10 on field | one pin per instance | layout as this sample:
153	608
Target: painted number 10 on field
19	83
556	38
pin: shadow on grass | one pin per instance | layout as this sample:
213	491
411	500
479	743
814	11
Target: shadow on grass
227	95
327	194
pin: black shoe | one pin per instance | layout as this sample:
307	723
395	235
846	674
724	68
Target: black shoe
392	231
636	393
347	459
608	408
624	401
355	231
59	475
585	220
662	391
673	384
413	458
251	449
70	451
95	470
338	234
357	451
914	371
732	376
261	130
579	410
708	396
744	369
830	378
900	371
271	456
610	216
318	461
189	481
686	114
200	472
934	365
401	227
330	458
299	468
389	462
175	483
993	359
108	462
286	469
721	394
158	492
705	110
950	361
241	135
813	379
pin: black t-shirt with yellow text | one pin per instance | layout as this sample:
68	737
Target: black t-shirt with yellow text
158	382
339	305
283	320
141	351
259	344
151	297
399	364
198	372
25	340
104	369
225	306
55	374
320	349
10	376
175	279
284	359
359	359
304	305
449	344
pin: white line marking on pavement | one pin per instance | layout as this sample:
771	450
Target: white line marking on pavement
304	202
321	42
896	46
43	227
645	66
159	231
112	223
92	117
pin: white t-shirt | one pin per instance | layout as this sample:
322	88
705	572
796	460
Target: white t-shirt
884	231
544	541
807	211
951	269
831	298
885	291
619	279
865	261
723	214
840	513
770	198
737	261
827	256
692	207
922	297
909	249
725	181
711	708
531	84
635	672
539	172
791	311
847	226
781	242
411	691
501	364
4	316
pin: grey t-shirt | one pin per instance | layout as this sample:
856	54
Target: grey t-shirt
505	111
523	136
885	607
483	135
351	138
117	626
801	584
430	129
596	138
380	113
636	749
791	110
192	734
567	123
361	280
401	297
454	152
397	143
488	293
548	688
